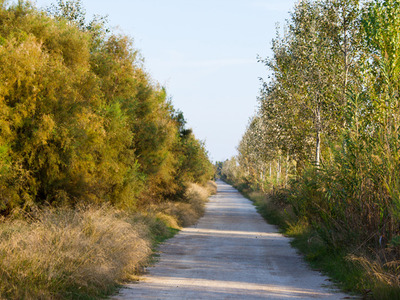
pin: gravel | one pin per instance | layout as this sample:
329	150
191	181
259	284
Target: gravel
232	253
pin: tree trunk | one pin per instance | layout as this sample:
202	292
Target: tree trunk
278	170
270	171
287	170
318	137
262	175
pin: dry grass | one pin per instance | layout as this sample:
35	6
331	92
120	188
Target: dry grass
64	253
377	270
384	274
86	252
187	213
211	186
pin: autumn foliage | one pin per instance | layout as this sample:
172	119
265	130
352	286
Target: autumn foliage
80	118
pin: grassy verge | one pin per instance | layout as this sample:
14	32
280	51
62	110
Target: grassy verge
88	252
353	272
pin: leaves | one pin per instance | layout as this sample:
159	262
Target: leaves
80	119
335	89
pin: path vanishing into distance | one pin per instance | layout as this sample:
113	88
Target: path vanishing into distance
232	253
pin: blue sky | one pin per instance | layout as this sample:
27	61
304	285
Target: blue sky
205	53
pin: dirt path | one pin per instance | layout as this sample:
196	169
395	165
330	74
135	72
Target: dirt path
231	254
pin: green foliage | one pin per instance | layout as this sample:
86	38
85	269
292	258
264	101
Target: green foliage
80	119
71	10
83	125
327	133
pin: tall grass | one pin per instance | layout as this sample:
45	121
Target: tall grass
187	213
63	253
333	233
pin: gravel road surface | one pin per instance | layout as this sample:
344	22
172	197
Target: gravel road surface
232	253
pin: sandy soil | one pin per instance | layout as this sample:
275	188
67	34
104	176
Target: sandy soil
232	253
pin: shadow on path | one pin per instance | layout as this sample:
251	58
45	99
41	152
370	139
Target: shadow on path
230	254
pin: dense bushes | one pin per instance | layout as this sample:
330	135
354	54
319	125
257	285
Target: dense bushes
96	165
81	121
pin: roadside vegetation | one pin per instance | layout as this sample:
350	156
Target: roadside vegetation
96	165
321	154
86	252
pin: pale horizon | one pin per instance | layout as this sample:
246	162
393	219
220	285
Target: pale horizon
205	54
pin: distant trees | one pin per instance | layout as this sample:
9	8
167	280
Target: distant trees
327	127
80	118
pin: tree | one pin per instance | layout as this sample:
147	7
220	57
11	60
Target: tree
80	119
